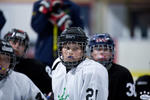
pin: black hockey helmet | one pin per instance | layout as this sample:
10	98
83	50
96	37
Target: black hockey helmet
142	85
18	35
72	35
6	49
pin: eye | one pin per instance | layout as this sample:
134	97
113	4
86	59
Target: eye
66	47
21	43
14	41
4	57
75	48
98	48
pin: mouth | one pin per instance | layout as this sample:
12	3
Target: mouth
2	68
101	59
70	57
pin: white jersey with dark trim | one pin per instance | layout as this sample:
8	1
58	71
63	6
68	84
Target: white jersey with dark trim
18	86
87	81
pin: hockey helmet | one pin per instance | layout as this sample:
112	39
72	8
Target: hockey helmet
17	35
72	35
6	50
142	86
105	42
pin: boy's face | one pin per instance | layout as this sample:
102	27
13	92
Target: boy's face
19	48
72	52
101	53
4	63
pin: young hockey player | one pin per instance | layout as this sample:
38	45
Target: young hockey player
75	77
2	20
34	69
14	85
120	80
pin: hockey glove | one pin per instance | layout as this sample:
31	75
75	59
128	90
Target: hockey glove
50	96
62	20
45	6
39	97
48	5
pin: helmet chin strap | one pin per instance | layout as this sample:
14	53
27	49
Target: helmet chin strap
106	64
109	66
70	65
2	76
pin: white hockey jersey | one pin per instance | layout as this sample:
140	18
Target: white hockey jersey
88	81
17	86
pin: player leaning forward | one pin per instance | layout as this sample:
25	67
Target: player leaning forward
75	77
14	85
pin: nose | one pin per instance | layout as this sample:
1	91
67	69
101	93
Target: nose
101	52
16	45
70	52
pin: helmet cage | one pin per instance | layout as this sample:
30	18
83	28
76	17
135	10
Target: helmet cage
18	36
72	35
105	42
11	66
69	65
104	47
6	49
21	41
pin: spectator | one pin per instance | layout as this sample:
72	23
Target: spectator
14	85
75	77
139	18
2	21
102	50
34	69
49	19
142	85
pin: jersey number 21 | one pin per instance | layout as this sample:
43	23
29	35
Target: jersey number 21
90	93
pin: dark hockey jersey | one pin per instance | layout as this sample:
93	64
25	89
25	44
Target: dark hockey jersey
35	70
121	85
